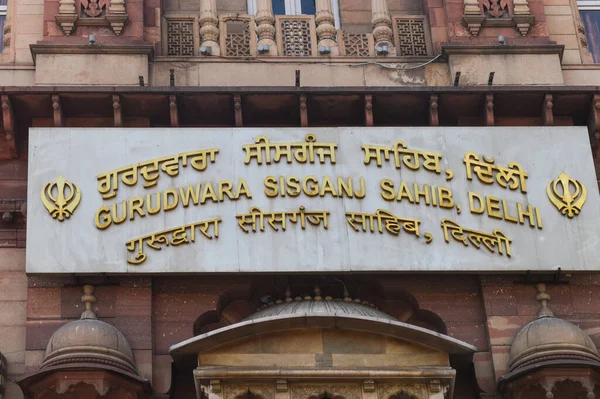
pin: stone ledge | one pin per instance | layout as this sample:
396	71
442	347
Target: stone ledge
297	60
538	64
459	48
54	49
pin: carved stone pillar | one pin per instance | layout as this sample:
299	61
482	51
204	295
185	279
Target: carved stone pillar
382	27
265	27
7	30
117	16
67	15
522	16
326	31
473	16
209	27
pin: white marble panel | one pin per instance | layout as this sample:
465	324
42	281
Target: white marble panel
77	245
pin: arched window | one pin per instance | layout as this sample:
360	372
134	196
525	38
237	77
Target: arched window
248	395
403	395
296	7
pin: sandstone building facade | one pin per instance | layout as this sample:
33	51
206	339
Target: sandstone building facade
144	65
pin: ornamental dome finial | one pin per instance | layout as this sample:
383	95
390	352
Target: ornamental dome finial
88	299
543	298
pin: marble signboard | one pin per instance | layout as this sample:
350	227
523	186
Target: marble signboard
311	200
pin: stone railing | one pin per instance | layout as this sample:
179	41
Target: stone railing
264	34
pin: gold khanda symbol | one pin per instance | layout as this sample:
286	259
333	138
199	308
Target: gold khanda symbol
62	204
567	194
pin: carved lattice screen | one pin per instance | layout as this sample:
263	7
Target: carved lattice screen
296	35
180	37
357	44
237	35
412	36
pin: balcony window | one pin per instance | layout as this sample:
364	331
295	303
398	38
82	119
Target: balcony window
296	7
590	16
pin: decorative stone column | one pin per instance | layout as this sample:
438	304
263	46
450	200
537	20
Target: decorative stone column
382	27
117	16
7	30
209	27
326	31
67	15
265	27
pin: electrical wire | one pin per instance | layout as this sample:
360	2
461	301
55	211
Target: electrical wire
408	66
397	66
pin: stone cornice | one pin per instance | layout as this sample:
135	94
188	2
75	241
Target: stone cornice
355	61
343	90
47	48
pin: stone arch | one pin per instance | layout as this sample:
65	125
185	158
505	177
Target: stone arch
326	395
577	388
230	308
325	391
248	391
428	319
249	395
234	306
403	395
403	391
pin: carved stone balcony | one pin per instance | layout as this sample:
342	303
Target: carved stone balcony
296	36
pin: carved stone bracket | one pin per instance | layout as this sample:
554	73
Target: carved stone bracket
117	110
281	385
8	119
117	23
523	22
472	16
522	16
369	386
436	387
117	16
368	110
488	110
434	119
303	112
215	386
473	22
57	111
173	111
547	115
237	106
67	16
